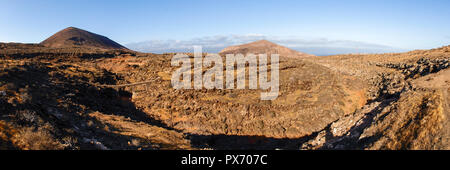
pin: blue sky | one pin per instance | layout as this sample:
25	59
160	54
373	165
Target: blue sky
400	24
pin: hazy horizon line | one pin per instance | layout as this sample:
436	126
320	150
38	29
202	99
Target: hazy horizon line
315	46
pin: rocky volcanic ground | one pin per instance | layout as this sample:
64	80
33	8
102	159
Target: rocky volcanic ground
86	98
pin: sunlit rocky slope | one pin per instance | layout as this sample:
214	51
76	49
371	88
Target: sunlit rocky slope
98	98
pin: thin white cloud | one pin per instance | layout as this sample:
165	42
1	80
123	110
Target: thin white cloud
213	44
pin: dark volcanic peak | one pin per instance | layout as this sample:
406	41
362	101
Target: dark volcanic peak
263	47
72	36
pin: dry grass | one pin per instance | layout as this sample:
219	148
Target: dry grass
36	139
27	138
420	129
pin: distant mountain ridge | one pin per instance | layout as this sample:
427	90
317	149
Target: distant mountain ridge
72	36
263	47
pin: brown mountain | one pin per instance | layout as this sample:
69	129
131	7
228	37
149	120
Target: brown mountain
72	36
263	47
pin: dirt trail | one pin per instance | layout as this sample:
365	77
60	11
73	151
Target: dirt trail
154	136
